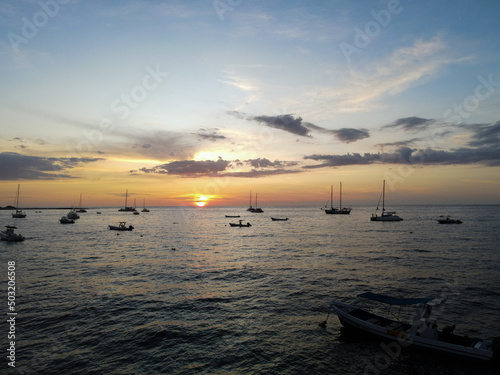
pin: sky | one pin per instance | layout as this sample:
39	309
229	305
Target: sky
181	102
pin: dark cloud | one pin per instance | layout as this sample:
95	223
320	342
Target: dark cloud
190	168
266	163
288	123
222	168
14	166
488	156
411	123
485	134
212	136
348	135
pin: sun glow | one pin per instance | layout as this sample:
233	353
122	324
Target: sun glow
202	201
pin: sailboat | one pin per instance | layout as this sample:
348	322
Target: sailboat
255	209
340	210
250	208
144	209
385	216
19	214
126	208
80	209
135	211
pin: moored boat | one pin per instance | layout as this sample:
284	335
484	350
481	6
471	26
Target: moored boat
449	220
121	226
72	215
422	332
240	224
279	219
126	208
19	214
9	235
385	215
66	220
337	211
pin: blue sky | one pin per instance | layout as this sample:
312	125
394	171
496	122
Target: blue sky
175	92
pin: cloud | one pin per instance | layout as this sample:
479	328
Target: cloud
223	168
14	166
296	125
485	134
288	123
487	156
411	123
213	136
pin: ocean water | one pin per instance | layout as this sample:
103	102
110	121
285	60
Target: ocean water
185	293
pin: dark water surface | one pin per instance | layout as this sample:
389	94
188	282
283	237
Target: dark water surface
184	293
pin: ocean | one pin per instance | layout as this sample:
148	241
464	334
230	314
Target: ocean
185	293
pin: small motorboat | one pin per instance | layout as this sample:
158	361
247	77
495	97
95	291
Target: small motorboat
279	219
136	212
240	224
9	235
449	220
232	215
65	220
72	215
121	226
422	332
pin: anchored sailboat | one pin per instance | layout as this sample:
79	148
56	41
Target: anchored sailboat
126	208
256	209
385	216
339	211
19	214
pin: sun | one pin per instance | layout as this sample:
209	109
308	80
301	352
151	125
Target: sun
202	201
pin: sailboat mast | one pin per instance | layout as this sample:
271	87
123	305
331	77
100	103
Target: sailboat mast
126	197
383	198
331	197
256	205
340	207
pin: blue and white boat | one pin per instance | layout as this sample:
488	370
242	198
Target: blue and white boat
422	333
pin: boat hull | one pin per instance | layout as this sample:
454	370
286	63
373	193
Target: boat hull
386	218
386	329
336	211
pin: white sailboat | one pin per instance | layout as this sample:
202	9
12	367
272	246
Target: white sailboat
384	216
144	209
126	208
19	214
337	211
255	209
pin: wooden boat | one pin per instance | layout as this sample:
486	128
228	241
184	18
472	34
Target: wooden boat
240	224
385	215
422	332
9	235
337	211
19	214
121	226
279	219
449	220
66	220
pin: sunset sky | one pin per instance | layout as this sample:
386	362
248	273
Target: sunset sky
179	100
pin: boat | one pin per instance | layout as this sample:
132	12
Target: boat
385	215
121	226
80	209
72	214
339	211
19	214
255	209
250	208
240	224
279	219
9	235
126	208
449	220
422	333
232	215
144	209
66	220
